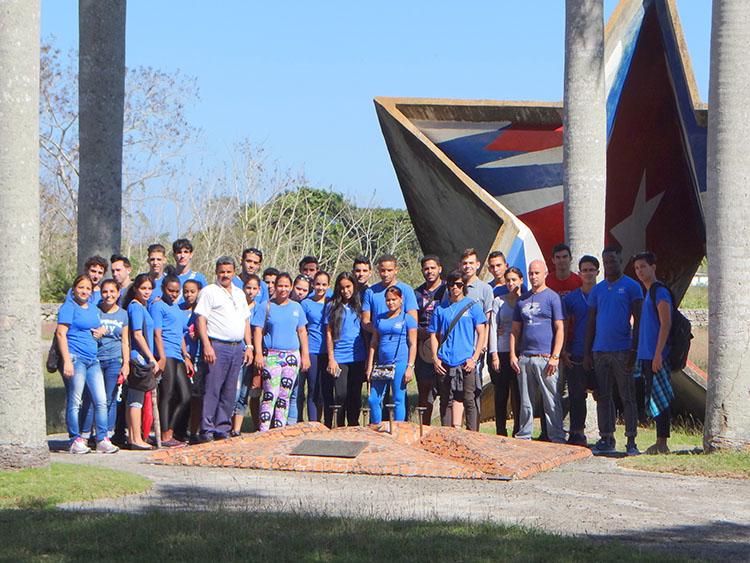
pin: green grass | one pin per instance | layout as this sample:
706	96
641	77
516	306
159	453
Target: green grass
63	482
222	536
734	465
696	297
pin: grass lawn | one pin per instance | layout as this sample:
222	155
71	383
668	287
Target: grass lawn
64	482
221	536
735	465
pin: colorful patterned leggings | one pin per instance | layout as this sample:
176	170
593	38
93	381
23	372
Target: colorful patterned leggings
279	377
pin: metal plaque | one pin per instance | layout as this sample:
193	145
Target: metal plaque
330	448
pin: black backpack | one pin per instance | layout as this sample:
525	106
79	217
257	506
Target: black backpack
680	334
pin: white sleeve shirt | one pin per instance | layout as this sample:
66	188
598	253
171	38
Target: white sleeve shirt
226	312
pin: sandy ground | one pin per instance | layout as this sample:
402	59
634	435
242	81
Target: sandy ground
700	517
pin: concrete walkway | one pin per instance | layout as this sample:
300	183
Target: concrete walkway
707	518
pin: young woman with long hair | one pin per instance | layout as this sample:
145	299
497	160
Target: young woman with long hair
279	332
346	352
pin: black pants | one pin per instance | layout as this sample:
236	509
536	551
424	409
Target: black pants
344	390
579	380
174	395
663	421
506	385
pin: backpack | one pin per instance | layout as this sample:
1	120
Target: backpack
680	334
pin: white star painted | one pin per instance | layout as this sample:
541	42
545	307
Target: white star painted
631	232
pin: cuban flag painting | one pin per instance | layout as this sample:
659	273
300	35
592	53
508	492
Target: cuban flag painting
489	174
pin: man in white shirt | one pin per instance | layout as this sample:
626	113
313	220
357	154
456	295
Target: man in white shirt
223	328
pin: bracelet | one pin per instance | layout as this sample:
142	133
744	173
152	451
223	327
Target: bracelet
410	365
555	357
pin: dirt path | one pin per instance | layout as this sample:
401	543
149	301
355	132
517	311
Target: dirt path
708	518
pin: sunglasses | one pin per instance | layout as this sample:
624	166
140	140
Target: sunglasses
252	250
457	284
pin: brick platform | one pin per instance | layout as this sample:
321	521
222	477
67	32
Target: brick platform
441	452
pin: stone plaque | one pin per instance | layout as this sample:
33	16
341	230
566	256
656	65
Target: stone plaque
330	448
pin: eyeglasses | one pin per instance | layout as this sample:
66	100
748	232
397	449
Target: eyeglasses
456	284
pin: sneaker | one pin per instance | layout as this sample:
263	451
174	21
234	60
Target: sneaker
234	434
173	443
79	446
604	446
577	439
106	447
632	449
220	435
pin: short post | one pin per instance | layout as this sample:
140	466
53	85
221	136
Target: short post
421	411
365	416
391	411
335	409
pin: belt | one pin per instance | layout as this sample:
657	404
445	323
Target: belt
536	355
227	342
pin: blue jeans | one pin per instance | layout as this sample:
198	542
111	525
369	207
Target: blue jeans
293	411
86	374
111	371
314	397
398	394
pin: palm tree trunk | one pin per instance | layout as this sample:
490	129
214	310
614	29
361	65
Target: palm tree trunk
727	423
584	133
22	422
101	99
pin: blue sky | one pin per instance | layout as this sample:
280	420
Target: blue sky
298	78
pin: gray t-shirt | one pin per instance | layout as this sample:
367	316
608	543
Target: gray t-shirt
537	313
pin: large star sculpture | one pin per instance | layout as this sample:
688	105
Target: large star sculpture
488	174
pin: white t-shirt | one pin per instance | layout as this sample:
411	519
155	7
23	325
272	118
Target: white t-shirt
225	310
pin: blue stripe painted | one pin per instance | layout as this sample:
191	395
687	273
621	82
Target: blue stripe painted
696	135
517	255
502	181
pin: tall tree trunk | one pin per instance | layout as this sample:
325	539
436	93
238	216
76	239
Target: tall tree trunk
22	422
585	129
101	99
727	422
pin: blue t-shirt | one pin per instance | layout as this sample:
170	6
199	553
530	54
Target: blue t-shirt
262	293
190	334
576	306
648	330
80	322
613	303
316	337
192	275
140	319
281	325
374	299
110	345
537	313
459	346
94	298
350	346
170	319
156	293
394	337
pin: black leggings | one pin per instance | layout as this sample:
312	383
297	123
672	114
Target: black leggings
174	394
506	384
344	390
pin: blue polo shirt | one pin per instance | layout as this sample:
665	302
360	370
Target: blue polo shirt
349	346
156	293
394	337
316	337
80	321
613	303
140	319
374	299
190	334
110	345
648	330
170	319
192	275
576	308
281	325
537	313
459	346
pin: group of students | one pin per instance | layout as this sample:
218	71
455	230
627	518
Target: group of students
197	355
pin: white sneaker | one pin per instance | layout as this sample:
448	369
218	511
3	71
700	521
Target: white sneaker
79	446
106	447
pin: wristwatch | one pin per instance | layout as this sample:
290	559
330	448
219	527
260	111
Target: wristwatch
555	357
410	365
